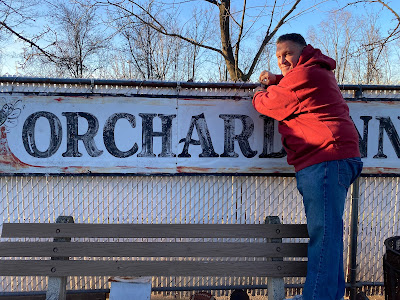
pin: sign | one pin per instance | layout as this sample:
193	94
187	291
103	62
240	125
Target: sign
150	135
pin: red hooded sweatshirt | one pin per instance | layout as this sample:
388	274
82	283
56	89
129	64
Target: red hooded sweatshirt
313	117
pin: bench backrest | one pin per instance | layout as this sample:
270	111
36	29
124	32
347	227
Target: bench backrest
159	250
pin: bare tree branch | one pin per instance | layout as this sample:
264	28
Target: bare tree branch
136	11
30	42
240	37
162	29
272	17
11	8
147	13
393	34
268	37
212	2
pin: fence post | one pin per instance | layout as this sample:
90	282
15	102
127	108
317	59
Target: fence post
57	286
275	285
352	275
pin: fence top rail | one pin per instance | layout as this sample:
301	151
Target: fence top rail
168	84
45	230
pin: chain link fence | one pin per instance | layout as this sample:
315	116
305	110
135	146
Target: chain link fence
192	199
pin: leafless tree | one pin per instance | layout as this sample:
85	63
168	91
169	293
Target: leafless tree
147	53
236	25
394	33
75	41
201	29
337	37
18	15
373	52
161	40
354	41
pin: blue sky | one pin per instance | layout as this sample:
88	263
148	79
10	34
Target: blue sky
301	25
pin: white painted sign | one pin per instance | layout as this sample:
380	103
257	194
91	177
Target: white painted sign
138	135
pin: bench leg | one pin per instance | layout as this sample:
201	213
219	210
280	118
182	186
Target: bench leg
276	286
57	288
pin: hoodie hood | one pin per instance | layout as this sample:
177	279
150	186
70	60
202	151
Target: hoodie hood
311	56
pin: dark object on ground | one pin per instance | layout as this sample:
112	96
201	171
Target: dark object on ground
239	295
391	268
361	296
202	296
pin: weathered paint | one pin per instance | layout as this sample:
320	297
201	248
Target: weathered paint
150	135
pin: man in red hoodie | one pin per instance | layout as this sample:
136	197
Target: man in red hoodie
321	143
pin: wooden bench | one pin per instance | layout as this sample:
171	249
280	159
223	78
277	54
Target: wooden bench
224	246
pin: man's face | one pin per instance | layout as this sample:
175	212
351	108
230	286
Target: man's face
288	54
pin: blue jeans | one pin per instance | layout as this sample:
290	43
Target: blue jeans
324	189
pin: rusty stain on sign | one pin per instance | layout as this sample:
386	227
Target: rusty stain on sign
7	158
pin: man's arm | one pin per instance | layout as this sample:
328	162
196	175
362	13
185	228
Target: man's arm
276	101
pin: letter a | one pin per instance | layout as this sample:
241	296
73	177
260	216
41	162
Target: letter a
204	138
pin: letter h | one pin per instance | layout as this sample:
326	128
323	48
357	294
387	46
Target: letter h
148	134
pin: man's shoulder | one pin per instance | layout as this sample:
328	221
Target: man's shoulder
313	73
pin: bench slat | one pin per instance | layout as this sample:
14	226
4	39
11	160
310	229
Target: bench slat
48	230
153	249
152	268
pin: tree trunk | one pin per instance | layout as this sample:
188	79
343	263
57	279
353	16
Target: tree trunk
226	43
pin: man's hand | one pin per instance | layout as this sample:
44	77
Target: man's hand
260	89
267	78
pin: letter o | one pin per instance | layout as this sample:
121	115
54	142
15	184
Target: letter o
28	134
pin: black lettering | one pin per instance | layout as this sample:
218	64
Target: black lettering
28	134
148	134
268	147
109	137
363	141
88	138
385	123
204	138
242	138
